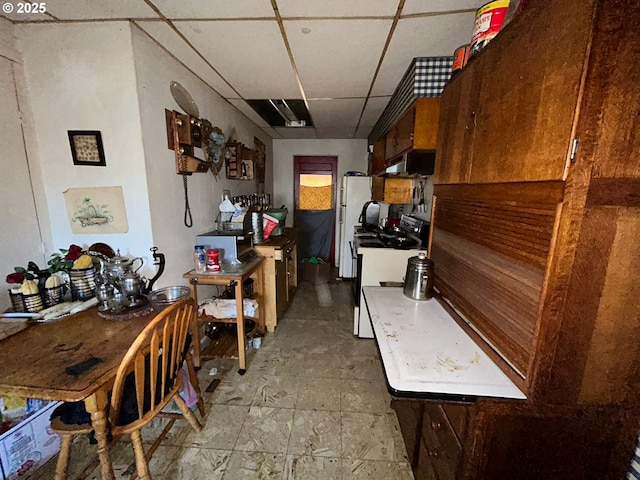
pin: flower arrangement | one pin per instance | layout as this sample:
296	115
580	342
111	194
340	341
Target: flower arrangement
61	261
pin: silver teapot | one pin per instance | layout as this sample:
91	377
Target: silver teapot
118	266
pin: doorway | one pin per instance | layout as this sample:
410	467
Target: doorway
315	186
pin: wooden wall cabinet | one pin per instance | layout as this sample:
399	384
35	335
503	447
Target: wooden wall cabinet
378	158
417	129
280	276
392	190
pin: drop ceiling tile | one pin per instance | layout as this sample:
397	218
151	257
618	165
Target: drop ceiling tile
421	37
296	133
373	110
98	9
249	54
249	112
342	112
337	59
336	132
169	39
337	8
199	10
425	6
363	132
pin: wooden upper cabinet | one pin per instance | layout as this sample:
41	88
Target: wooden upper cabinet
417	129
528	98
510	112
458	105
377	163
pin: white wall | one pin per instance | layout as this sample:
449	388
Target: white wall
81	77
352	155
21	192
154	71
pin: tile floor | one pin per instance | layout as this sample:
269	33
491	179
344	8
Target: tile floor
312	405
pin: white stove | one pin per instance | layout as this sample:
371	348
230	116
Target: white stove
377	260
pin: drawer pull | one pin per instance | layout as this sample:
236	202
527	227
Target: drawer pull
436	425
433	454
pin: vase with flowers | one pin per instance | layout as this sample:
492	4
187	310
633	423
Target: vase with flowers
49	283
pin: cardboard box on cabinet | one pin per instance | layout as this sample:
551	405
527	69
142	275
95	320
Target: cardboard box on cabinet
28	445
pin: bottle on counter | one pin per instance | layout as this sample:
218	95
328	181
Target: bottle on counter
213	260
199	259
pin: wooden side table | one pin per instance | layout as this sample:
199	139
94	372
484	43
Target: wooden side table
236	279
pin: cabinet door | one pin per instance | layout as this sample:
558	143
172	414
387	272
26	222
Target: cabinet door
292	282
377	189
377	163
404	131
530	85
409	415
458	106
425	130
282	287
398	190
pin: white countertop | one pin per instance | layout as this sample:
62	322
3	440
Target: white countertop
424	351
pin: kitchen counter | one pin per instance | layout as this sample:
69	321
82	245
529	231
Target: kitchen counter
426	354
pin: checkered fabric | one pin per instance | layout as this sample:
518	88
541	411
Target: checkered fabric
431	75
425	77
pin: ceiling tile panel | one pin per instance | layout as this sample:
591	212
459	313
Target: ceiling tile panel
336	132
337	59
249	54
373	110
337	8
425	6
170	40
421	37
296	133
335	113
198	9
363	132
97	9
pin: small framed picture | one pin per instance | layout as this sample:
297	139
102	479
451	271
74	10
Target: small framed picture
86	147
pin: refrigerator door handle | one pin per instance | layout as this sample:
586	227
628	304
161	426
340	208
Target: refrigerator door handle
342	209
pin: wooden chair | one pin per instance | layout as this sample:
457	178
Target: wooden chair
146	381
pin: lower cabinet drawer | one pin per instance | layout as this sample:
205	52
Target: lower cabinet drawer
441	442
425	468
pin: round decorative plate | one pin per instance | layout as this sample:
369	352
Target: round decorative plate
183	99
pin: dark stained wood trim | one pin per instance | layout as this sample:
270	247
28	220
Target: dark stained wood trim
618	192
550	192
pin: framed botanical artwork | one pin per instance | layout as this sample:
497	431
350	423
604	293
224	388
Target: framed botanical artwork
86	147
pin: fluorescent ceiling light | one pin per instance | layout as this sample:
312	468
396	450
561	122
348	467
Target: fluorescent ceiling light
290	118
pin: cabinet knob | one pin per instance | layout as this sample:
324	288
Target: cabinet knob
433	453
436	425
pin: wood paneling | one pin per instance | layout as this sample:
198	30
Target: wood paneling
490	247
528	97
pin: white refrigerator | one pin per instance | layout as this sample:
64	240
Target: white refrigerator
355	191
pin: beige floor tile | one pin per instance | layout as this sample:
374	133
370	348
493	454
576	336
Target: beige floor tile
375	470
319	394
190	463
275	391
305	467
362	396
367	436
254	466
362	368
266	429
316	433
235	389
221	429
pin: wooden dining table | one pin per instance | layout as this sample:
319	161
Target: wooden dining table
71	359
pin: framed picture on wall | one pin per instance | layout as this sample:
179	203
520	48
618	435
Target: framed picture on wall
260	159
86	147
